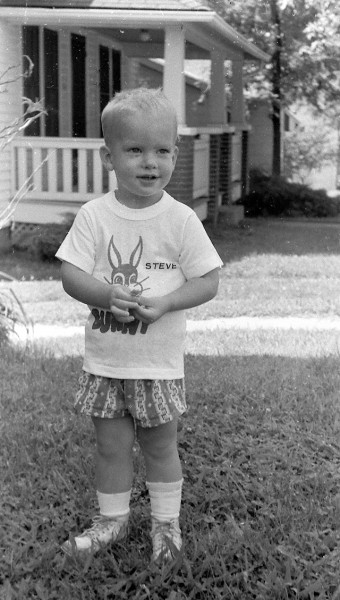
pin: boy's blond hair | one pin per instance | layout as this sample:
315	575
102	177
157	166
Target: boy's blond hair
137	100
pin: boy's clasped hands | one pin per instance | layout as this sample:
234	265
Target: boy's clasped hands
127	305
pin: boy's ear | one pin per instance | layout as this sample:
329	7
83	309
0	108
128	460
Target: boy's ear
106	159
175	154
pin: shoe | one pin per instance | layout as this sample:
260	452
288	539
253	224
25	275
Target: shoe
166	540
103	531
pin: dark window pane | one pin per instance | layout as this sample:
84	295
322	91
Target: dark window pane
116	72
51	82
31	83
78	85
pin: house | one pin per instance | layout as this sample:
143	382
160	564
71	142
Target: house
302	119
83	52
260	155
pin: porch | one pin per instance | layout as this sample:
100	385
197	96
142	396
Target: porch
84	52
58	175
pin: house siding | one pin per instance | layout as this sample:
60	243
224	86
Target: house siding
260	149
10	98
197	113
181	184
226	167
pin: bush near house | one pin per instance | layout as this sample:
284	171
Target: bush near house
276	196
44	241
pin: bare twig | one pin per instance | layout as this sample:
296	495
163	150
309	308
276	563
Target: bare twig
7	213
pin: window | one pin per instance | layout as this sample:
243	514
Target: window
32	83
78	49
42	45
51	68
109	75
116	71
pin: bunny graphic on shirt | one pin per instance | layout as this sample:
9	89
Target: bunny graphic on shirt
122	273
126	273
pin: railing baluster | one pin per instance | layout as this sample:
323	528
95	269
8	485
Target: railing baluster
22	166
37	178
67	170
52	170
82	171
97	173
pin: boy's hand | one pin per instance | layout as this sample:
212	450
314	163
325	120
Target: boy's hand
150	310
121	302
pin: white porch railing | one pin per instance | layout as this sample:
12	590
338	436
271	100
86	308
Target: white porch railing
73	169
201	167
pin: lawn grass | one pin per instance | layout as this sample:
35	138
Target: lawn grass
271	268
261	504
260	444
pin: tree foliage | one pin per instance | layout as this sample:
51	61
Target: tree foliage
306	34
306	151
302	38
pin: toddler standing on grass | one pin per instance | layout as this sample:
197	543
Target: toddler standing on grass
138	258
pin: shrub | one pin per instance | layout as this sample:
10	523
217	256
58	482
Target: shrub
14	322
275	196
45	240
4	335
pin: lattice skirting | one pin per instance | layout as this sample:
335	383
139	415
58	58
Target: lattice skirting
20	229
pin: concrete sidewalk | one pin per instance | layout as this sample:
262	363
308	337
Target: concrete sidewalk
240	323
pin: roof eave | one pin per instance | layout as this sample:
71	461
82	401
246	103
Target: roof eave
124	18
250	50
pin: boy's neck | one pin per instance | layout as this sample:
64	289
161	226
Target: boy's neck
138	203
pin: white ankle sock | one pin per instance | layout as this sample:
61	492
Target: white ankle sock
165	499
114	505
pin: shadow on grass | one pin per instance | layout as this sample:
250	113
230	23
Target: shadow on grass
275	236
261	460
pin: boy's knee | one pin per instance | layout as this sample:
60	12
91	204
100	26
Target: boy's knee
108	448
115	437
158	441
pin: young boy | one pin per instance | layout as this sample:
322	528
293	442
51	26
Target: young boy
138	258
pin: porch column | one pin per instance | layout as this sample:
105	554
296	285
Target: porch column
173	75
217	92
237	100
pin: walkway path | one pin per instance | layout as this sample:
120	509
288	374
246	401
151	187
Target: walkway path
250	323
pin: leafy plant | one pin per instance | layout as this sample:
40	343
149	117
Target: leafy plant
31	112
44	241
306	150
275	196
14	322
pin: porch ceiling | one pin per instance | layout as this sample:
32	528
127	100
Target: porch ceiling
206	31
154	47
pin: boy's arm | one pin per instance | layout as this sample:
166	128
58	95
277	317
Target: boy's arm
87	289
193	292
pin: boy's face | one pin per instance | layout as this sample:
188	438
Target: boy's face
141	149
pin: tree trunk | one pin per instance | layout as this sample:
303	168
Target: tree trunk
276	87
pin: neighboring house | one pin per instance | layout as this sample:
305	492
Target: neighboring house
86	50
301	117
326	176
261	137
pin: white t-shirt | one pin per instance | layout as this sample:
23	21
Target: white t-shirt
153	250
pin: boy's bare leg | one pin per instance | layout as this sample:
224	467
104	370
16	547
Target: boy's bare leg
164	482
159	448
114	464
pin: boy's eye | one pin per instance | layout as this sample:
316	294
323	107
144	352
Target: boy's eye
134	150
164	151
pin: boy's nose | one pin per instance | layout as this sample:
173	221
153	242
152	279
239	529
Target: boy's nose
150	160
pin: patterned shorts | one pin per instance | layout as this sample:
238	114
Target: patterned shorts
150	402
